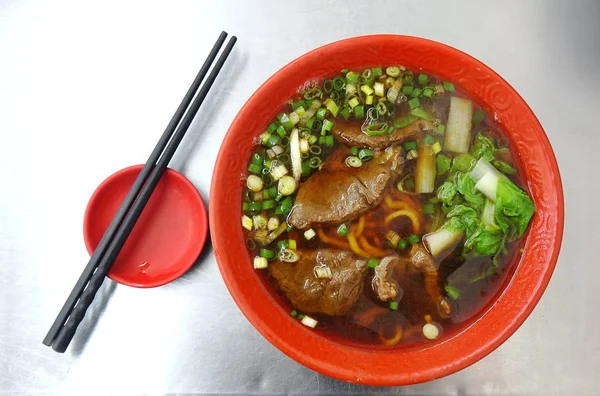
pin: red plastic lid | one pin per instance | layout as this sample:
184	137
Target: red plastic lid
166	240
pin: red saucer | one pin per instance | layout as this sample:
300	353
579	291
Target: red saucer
166	240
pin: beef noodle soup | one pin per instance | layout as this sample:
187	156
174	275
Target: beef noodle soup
384	206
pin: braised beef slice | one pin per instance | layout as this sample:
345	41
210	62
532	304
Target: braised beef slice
338	192
311	294
351	134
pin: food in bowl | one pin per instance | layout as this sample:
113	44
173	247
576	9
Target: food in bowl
385	205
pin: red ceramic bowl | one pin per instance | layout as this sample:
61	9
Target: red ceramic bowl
502	316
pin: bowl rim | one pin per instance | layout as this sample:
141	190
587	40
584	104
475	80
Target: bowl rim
526	283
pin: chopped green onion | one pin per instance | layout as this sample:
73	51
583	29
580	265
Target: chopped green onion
281	131
394	305
327	125
410	146
245	206
306	169
272	127
313	139
428	208
372	263
284	244
254	168
359	112
367	76
354	150
285	120
271	192
309	234
437	147
414	103
284	207
440	129
365	154
313	93
297	104
264	137
416	92
407	89
292	242
428	92
410	183
247	222
260	262
381	108
254	206
377	130
257	159
267	253
316	125
379	89
405	120
478	116
314	162
329	142
321	113
392	71
268	204
413	239
377	71
327	86
260	222
443	164
448	86
343	230
273	140
419	112
353	102
332	107
408	77
345	112
429	140
423	79
287	185
353	162
402	244
369	100
294	313
452	292
339	83
367	90
352	78
316	150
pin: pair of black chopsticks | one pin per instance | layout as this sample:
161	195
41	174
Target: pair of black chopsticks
70	316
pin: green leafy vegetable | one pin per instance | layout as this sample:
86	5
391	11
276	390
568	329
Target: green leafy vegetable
504	167
463	163
442	163
514	209
452	292
483	147
466	186
446	193
468	217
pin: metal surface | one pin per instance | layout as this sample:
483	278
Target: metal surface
86	89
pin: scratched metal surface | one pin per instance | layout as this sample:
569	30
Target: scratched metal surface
86	89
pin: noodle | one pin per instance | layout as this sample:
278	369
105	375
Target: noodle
394	205
435	292
367	317
411	215
332	240
355	248
367	247
394	340
360	226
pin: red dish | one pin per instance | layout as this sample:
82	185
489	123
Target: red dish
168	236
503	316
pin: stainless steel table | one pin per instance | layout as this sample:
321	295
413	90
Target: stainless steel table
86	89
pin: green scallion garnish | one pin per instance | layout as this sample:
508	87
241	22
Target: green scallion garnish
372	263
343	230
394	305
413	239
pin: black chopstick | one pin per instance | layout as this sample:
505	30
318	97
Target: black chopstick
76	305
